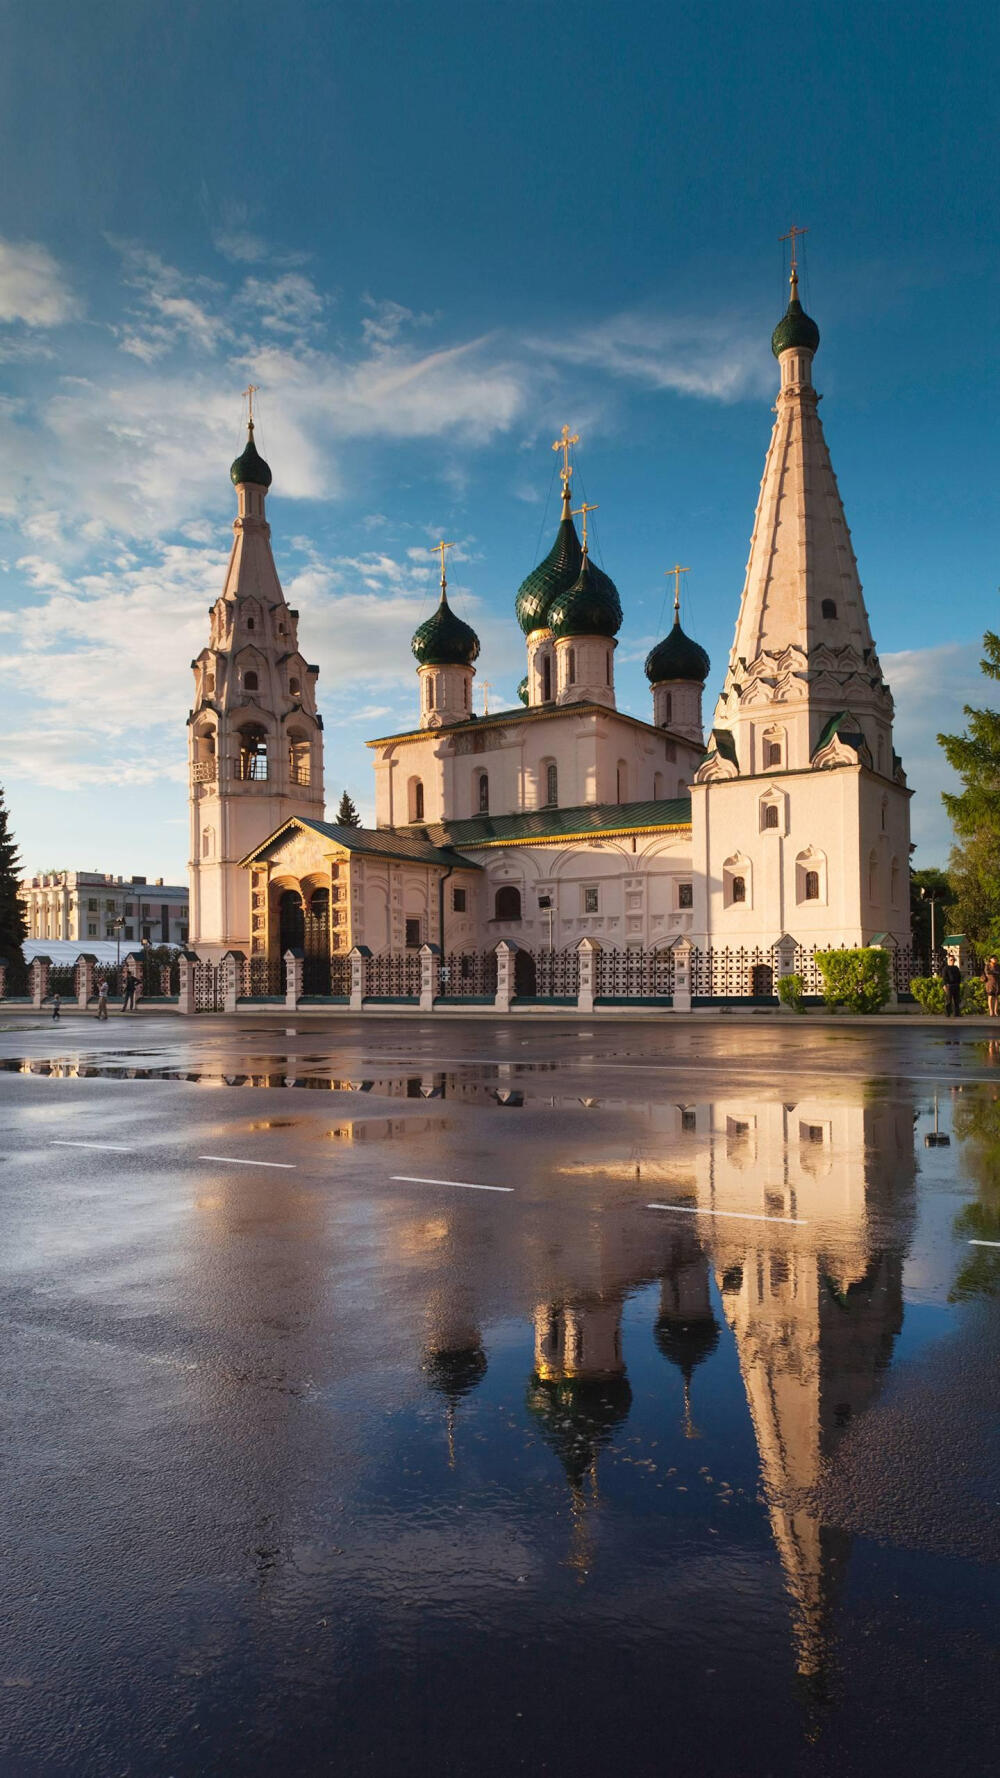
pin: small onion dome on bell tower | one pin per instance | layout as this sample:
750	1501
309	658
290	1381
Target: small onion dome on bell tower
444	640
677	657
522	690
795	328
249	466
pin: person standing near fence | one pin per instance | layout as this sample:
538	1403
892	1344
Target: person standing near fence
56	1006
102	999
951	975
128	995
991	982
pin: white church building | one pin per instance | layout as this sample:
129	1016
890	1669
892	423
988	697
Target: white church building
565	818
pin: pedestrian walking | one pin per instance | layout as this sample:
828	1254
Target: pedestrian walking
991	982
128	996
102	999
951	975
56	1006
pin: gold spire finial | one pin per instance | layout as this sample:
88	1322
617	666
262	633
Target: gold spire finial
250	391
563	443
793	275
439	549
581	512
677	571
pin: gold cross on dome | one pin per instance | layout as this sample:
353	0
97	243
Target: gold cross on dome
439	549
563	443
581	512
249	392
792	236
676	571
485	687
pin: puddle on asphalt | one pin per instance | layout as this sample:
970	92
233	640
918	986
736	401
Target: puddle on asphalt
387	1129
480	1083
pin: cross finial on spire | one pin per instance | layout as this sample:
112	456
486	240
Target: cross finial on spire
793	276
563	443
677	571
250	391
439	549
581	512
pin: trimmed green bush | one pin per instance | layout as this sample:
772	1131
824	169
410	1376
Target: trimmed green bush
858	979
791	992
928	992
973	996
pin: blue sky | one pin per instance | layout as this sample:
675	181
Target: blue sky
431	233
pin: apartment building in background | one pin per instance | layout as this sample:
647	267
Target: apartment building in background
81	905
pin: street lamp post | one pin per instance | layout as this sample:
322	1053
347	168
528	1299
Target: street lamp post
930	896
118	924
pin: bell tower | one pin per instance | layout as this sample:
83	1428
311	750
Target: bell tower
255	740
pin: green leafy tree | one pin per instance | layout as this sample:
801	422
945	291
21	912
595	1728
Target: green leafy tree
975	814
13	929
857	979
347	814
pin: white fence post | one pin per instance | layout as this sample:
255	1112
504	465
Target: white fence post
587	950
185	998
429	955
358	959
294	971
39	980
232	979
784	951
505	951
682	975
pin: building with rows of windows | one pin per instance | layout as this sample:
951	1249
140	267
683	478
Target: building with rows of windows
81	905
566	818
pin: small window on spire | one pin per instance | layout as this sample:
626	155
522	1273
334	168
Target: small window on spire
250	623
828	608
250	682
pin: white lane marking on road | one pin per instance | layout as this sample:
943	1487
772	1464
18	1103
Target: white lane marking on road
235	1160
463	1184
112	1147
984	1243
730	1215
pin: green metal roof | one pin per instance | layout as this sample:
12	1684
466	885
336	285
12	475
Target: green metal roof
795	328
444	640
383	842
542	824
590	607
677	657
250	465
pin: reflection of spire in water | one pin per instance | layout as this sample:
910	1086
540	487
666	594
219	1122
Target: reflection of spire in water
454	1374
686	1331
579	1394
814	1305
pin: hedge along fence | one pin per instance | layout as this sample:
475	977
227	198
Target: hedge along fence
860	980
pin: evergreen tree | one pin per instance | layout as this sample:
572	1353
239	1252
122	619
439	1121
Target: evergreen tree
347	814
13	929
975	814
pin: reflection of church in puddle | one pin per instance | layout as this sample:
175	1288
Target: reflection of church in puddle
797	1214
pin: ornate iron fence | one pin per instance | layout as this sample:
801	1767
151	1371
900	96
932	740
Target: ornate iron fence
208	991
633	974
393	975
467	975
62	980
263	978
745	972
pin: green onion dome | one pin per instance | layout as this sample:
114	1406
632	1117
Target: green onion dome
455	1373
553	576
795	328
444	640
578	1417
522	690
590	607
250	466
677	657
687	1340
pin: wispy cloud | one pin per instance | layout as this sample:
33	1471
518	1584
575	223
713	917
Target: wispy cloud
712	359
33	287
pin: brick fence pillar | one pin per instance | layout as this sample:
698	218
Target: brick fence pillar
85	967
38	980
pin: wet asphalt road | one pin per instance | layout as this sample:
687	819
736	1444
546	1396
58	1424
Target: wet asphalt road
385	1397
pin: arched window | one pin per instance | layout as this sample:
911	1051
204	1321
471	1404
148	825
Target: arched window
873	877
508	903
294	688
812	885
416	800
429	689
571	666
210	685
894	883
483	794
251	623
828	608
772	753
546	680
252	762
770	816
291	922
249	682
208	842
298	759
657	787
607	668
621	782
739	888
551	784
465	693
668	707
